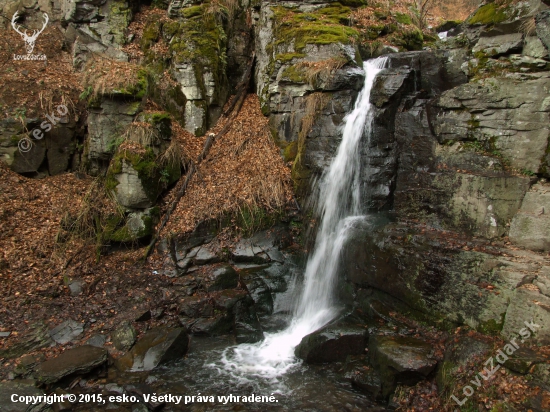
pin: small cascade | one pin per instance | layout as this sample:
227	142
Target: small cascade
338	206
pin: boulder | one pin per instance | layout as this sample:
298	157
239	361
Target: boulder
67	331
196	307
223	277
220	324
158	346
203	256
400	360
363	376
499	45
530	227
97	340
533	47
124	336
332	344
80	360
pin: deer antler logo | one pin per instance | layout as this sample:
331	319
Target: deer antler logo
29	40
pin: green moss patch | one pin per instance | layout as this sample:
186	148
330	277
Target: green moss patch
489	14
325	25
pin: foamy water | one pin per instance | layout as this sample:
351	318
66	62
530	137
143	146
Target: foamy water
338	207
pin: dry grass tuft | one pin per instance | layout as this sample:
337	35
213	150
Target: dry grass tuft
315	102
104	76
529	27
313	71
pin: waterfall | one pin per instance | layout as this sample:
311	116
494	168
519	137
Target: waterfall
338	206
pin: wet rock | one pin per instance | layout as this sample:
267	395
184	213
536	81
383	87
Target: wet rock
158	346
124	337
205	256
332	344
400	360
363	376
21	388
80	360
215	326
223	277
247	325
259	291
242	252
228	298
67	331
196	307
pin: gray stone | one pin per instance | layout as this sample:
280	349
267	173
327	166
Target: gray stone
499	45
67	331
80	360
97	340
205	256
106	123
542	21
158	346
76	287
533	47
527	305
22	388
124	336
130	191
242	251
505	114
530	227
332	344
223	277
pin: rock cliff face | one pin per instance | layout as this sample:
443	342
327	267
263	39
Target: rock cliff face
460	158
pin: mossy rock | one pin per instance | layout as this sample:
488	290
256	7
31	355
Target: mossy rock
141	176
161	123
133	227
489	14
403	18
120	16
290	152
325	25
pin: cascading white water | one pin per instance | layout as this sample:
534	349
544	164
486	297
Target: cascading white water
338	206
